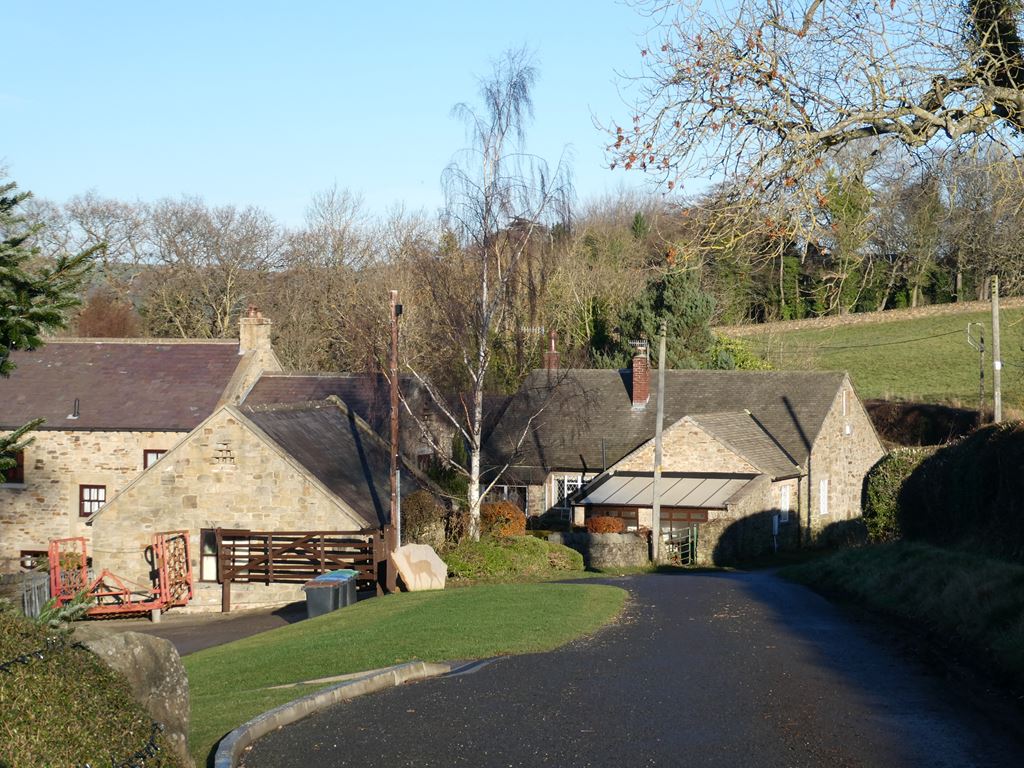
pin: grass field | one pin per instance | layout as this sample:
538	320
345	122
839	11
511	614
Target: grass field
229	683
924	359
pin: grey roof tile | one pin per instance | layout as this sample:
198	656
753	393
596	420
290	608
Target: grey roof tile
150	384
584	419
340	450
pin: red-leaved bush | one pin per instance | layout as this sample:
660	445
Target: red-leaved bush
502	518
604	524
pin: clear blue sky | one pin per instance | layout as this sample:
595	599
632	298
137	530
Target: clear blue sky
266	103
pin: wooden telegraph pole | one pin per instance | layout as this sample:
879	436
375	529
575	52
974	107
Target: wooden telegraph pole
391	532
658	424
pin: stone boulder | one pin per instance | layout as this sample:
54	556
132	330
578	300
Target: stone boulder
156	677
420	568
606	550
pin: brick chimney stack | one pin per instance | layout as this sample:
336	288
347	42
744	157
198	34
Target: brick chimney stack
552	359
641	376
253	332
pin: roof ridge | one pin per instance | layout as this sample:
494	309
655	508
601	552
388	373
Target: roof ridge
140	340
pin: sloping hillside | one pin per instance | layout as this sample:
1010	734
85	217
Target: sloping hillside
919	355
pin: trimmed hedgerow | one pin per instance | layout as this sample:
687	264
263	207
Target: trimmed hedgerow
67	708
970	494
502	518
882	489
605	524
510	557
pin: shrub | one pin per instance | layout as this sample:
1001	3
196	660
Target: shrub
423	519
605	524
66	708
882	489
510	557
502	518
456	525
970	494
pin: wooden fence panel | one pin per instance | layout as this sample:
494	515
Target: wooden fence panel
293	557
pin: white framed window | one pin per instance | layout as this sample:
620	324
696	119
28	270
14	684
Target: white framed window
90	499
150	456
564	487
845	403
784	502
823	496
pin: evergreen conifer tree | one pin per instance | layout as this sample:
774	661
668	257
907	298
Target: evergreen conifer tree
35	294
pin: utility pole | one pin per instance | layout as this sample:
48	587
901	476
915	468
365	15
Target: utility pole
391	532
997	360
658	424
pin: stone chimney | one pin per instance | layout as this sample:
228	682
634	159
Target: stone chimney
641	376
552	360
253	332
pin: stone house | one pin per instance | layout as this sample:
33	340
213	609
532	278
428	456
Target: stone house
112	407
313	466
785	451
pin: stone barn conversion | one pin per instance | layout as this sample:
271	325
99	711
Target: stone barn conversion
300	467
112	407
751	459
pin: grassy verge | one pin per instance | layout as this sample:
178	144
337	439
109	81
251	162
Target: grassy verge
969	603
228	684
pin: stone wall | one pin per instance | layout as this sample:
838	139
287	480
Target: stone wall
744	529
56	463
606	550
846	448
686	448
223	475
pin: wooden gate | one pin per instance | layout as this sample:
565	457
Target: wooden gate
294	557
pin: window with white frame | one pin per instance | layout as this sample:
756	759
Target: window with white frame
90	499
823	496
784	502
564	487
150	456
514	493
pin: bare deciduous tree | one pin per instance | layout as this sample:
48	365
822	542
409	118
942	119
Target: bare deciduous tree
499	200
765	89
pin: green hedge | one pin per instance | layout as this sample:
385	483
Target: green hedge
970	494
882	489
510	557
67	708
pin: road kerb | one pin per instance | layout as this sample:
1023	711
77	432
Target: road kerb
232	745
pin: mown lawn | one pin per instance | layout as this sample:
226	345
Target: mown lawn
925	359
967	602
228	684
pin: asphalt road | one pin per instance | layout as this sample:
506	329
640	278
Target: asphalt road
714	669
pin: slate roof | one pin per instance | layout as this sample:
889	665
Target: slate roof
587	421
676	489
120	384
741	432
366	394
338	448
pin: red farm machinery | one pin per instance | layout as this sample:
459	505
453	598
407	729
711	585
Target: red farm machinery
109	593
